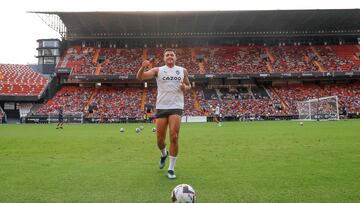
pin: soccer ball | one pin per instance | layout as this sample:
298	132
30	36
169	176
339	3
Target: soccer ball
183	193
301	123
122	130
137	130
154	129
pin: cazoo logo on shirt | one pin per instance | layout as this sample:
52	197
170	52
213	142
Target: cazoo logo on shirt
171	78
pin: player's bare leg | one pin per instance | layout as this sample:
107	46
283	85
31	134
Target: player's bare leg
161	127
59	125
174	128
216	120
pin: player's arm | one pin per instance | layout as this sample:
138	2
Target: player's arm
185	84
146	75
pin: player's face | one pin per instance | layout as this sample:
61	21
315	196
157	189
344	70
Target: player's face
169	58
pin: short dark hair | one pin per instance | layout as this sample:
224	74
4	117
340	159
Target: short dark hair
169	49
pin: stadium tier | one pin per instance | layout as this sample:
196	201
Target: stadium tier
349	95
71	99
21	80
80	60
117	102
338	58
217	59
120	61
292	59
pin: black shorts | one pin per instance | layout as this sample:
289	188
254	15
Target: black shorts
61	119
164	113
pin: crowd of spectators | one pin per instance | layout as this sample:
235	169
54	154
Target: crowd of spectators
348	95
70	98
80	59
251	59
210	60
238	102
120	61
293	59
120	102
111	102
332	62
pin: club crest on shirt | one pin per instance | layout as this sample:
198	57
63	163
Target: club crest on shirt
177	72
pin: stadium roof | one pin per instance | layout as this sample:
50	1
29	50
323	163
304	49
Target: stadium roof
210	23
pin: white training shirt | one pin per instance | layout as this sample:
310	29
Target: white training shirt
217	110
169	94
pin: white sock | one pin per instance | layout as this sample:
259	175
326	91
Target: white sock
172	163
163	152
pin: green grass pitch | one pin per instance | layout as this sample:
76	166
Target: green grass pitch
238	162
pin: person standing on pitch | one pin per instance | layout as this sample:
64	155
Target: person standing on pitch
217	115
172	82
61	118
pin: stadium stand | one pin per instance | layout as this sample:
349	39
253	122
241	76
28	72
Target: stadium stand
235	60
217	59
21	80
71	99
255	100
249	74
292	59
239	102
80	60
117	102
331	60
348	94
190	107
121	61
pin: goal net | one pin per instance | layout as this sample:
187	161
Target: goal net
68	117
324	108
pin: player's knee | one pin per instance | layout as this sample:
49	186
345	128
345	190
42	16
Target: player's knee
174	137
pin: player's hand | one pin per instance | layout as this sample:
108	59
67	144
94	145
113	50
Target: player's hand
145	63
183	86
